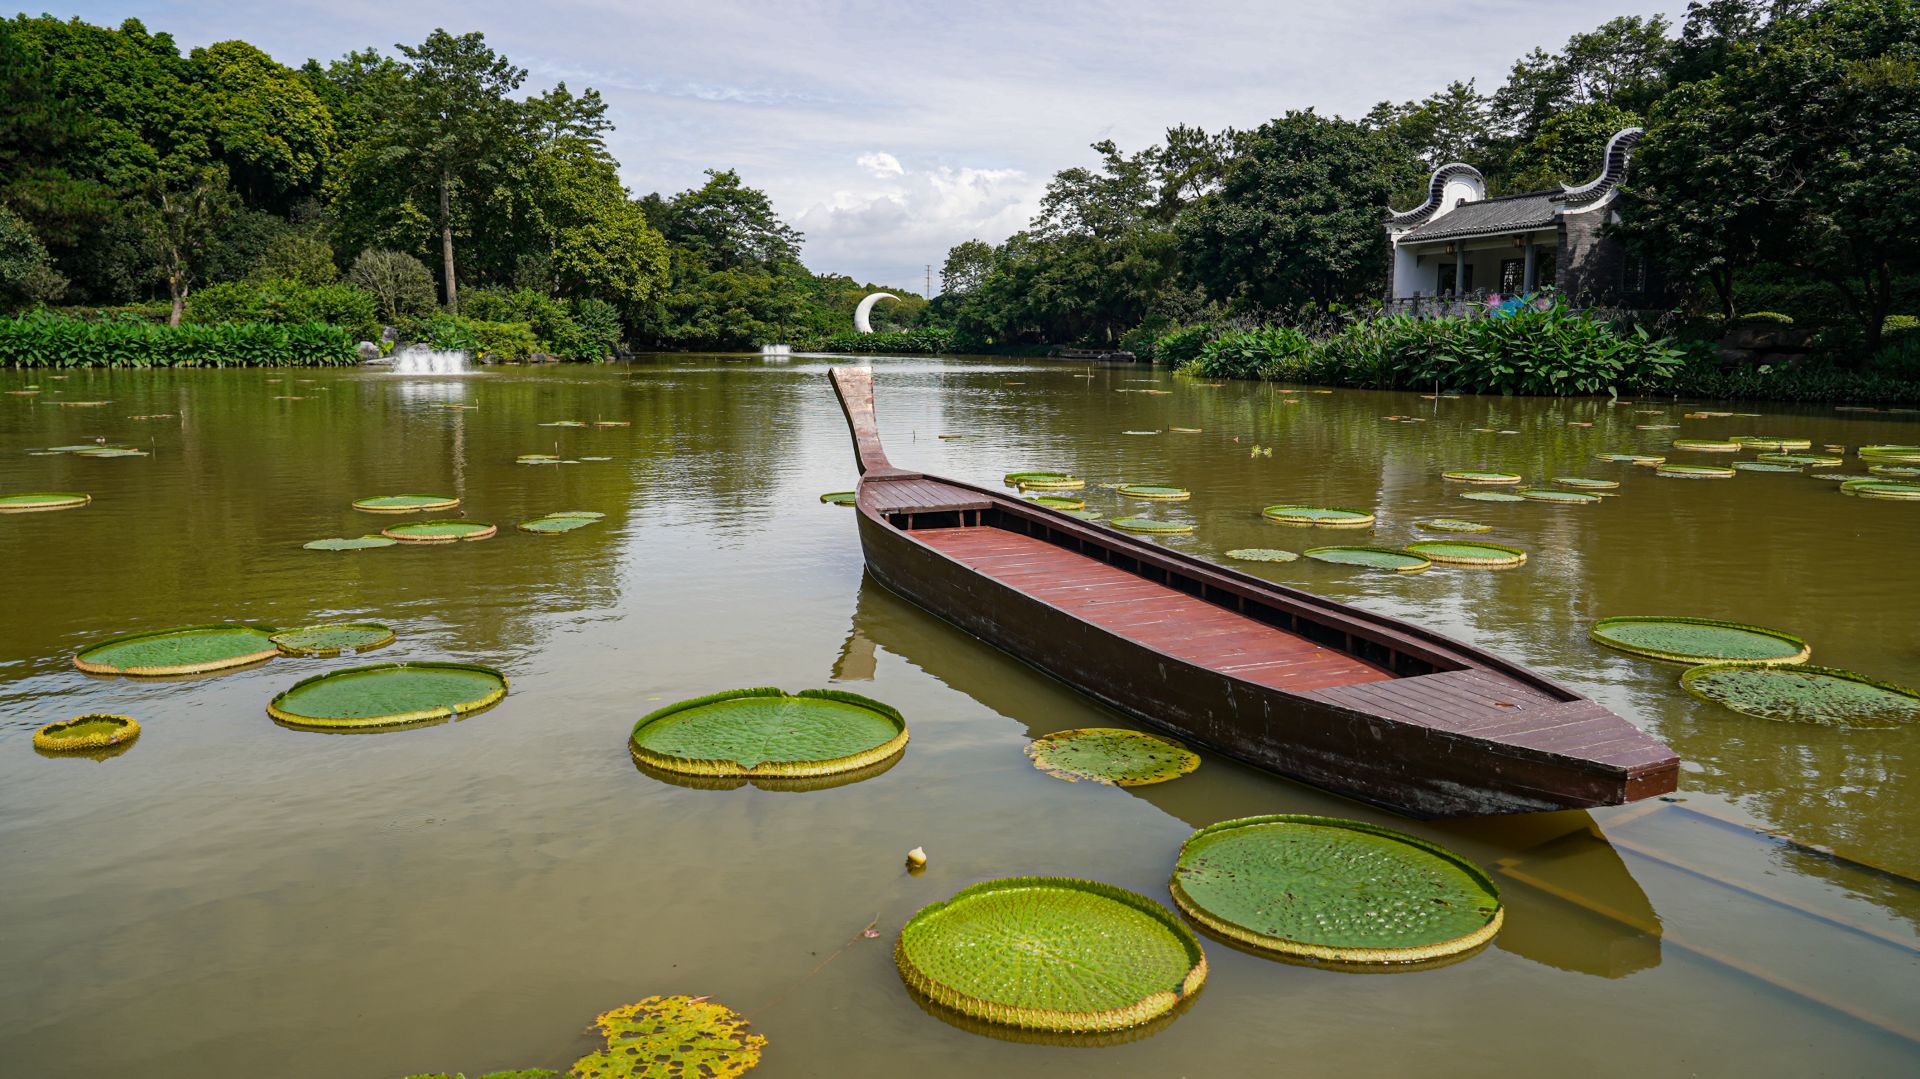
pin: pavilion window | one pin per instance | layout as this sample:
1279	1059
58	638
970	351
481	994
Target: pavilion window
1513	275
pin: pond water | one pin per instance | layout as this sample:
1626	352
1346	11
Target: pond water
231	897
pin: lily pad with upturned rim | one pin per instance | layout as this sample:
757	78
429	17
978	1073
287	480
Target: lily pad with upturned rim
1896	454
1680	639
840	498
1772	443
388	695
1262	554
42	501
1808	460
1644	459
1112	756
1897	471
1156	491
1336	891
181	650
1705	445
1826	696
1890	490
358	543
1565	498
1321	516
768	732
1149	527
1469	475
1763	466
95	730
333	638
1580	483
1695	472
1051	953
1492	496
671	1038
1462	553
405	503
1045	481
1452	524
448	531
1384	558
1058	502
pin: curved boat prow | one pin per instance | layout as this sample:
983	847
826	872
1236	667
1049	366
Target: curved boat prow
854	387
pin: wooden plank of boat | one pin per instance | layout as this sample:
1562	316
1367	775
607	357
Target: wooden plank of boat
1354	702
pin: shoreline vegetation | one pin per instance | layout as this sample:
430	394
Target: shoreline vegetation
148	219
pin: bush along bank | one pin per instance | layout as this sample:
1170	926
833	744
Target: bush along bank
917	342
57	341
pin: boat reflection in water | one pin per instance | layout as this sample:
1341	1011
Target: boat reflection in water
1572	903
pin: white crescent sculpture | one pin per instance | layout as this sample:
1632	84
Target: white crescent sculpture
861	313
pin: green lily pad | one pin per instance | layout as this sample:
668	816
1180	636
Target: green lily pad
553	524
1337	891
1706	445
1823	695
538	459
1567	498
1699	640
1262	554
440	531
1452	524
564	423
1462	553
840	498
1774	443
1877	488
1159	492
333	638
1764	466
184	650
1051	953
1493	496
41	501
110	451
672	1038
405	503
1045	481
766	732
1322	516
1899	471
587	515
1085	515
1112	756
1695	472
1151	527
388	695
1630	458
358	543
1806	460
1840	477
1058	502
1582	483
1371	557
1469	475
1895	454
97	730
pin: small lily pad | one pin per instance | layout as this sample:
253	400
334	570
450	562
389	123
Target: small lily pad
1149	526
1645	459
840	498
449	531
1452	524
97	730
1159	492
1384	558
1468	475
1262	554
1807	460
1058	502
1567	498
358	543
405	503
1492	496
333	638
1112	756
1582	483
552	525
1705	445
1695	472
1045	481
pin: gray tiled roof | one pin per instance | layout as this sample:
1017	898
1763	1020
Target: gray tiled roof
1509	213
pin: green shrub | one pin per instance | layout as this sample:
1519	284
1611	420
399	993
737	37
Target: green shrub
1276	352
1182	344
155	311
284	302
926	341
1763	318
45	340
499	341
400	285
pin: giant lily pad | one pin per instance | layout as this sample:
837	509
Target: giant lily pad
1371	557
672	1038
1045	481
1323	516
1160	492
185	650
1763	466
1058	502
1887	489
1823	695
1452	524
1111	755
1051	953
1909	455
1149	526
1706	445
388	695
1695	472
1261	554
333	638
43	500
1646	459
1463	553
1493	496
767	732
1773	443
1565	498
553	524
1337	891
359	543
1469	475
1699	640
405	503
1804	460
1901	471
1582	483
97	730
441	531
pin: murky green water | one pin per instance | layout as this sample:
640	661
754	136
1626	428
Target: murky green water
230	897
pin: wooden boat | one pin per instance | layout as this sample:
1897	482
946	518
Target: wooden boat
1357	703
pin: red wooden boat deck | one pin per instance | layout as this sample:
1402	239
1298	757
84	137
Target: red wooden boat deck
1178	624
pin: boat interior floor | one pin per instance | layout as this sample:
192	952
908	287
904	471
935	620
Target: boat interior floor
1176	623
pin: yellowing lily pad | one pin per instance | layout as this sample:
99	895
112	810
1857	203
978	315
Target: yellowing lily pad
672	1038
1112	756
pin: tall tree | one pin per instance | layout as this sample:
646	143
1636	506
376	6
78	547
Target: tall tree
187	212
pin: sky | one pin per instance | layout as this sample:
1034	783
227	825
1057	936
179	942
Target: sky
888	132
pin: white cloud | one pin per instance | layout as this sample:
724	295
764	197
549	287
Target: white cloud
881	164
902	225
